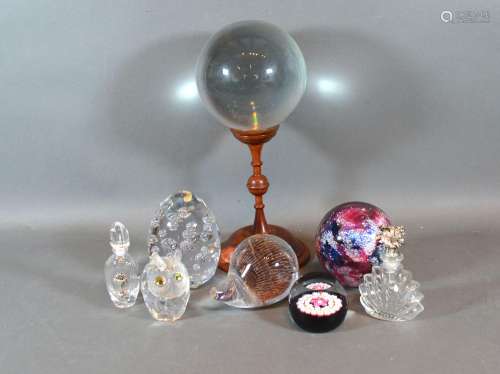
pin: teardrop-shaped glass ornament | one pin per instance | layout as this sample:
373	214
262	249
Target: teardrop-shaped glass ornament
262	270
184	225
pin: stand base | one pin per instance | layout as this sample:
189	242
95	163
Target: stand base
241	234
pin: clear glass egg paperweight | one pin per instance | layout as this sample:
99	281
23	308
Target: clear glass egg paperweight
389	291
317	302
120	270
165	287
185	226
251	75
262	270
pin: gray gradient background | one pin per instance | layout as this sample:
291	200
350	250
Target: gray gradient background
98	123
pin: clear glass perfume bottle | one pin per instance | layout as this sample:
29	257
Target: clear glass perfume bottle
121	271
389	292
165	287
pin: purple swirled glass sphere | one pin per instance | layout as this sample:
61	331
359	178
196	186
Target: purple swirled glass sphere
346	242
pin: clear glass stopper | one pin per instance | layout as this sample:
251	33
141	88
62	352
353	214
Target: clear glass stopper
119	238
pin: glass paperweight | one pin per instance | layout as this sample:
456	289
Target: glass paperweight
317	302
120	270
165	287
389	292
251	75
186	227
262	270
346	242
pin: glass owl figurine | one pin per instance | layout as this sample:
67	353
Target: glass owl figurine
120	270
184	225
389	292
251	75
262	270
317	302
165	287
346	242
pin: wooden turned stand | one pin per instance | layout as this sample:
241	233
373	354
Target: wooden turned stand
257	185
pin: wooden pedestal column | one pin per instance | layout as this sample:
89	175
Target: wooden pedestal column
257	185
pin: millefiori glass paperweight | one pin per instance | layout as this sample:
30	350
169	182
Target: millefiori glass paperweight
120	270
389	292
165	287
317	302
262	270
184	225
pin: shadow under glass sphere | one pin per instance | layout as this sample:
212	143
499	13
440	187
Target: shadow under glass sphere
251	75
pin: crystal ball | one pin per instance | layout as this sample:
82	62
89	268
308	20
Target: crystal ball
251	75
346	242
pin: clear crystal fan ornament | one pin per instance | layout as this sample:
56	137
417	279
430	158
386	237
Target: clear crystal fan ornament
186	227
262	270
389	292
165	287
251	75
120	270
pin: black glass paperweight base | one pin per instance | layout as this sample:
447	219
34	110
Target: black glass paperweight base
317	303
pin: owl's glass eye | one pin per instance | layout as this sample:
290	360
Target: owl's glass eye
160	281
178	276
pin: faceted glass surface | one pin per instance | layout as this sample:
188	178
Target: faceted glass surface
262	270
390	293
186	226
251	75
318	302
165	287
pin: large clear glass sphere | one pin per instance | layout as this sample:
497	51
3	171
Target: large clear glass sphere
251	75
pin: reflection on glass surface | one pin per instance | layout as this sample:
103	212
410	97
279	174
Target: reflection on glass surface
251	75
